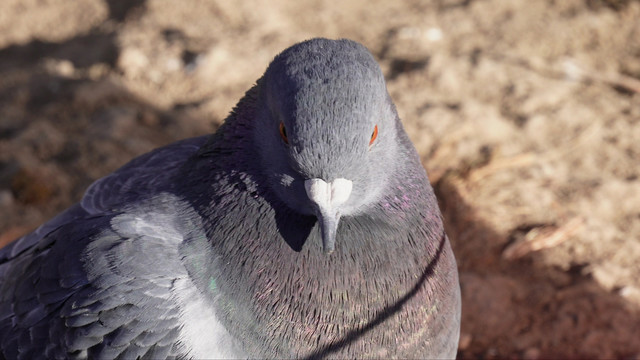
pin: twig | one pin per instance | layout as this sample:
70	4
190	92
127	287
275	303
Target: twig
543	238
501	164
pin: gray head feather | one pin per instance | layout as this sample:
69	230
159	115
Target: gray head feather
330	97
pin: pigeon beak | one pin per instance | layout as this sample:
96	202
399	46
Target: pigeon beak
327	198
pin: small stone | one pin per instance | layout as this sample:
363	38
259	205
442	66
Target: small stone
631	293
6	198
531	354
98	71
434	34
465	341
132	61
63	68
173	64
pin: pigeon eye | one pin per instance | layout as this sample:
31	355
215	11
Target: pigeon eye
374	135
283	133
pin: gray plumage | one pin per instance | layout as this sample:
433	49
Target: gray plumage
217	246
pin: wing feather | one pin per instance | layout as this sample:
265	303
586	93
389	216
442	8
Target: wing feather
87	282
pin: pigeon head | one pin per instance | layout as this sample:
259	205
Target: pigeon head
326	131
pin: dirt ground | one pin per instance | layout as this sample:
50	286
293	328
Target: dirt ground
526	115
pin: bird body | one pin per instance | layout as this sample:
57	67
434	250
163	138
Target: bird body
292	231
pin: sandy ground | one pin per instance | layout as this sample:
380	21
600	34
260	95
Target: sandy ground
526	115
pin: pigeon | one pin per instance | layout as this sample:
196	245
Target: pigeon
304	227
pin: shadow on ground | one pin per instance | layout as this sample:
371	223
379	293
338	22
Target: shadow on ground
524	309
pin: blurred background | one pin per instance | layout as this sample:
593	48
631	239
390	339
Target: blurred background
526	114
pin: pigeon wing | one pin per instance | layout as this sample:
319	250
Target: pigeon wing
99	288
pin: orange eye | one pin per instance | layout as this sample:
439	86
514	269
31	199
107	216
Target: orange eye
283	133
374	135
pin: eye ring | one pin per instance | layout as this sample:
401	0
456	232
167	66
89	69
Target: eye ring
283	133
374	135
